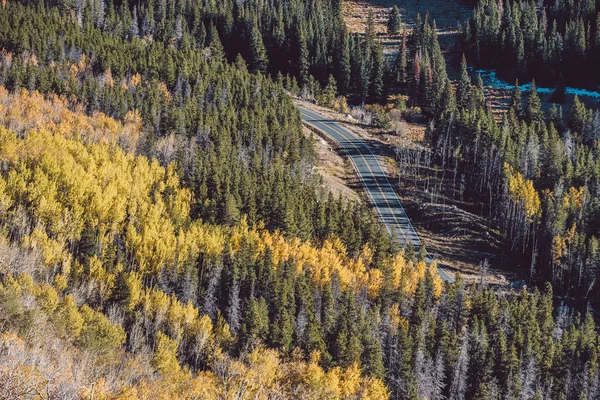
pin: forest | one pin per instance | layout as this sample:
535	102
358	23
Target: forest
555	42
163	233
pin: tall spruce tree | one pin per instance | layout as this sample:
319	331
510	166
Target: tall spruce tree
463	88
402	61
394	21
258	53
533	111
516	100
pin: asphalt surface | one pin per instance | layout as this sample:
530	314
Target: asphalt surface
378	187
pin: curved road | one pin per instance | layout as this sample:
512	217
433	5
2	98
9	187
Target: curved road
378	187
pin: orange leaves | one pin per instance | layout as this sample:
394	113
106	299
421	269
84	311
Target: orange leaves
197	239
323	261
67	318
53	251
133	288
18	378
46	297
103	280
264	369
162	88
69	173
262	374
438	284
135	80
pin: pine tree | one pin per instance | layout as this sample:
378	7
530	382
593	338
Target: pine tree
328	310
533	111
555	115
402	62
478	93
256	321
377	90
370	32
577	116
393	25
215	44
347	344
302	60
328	97
447	101
258	53
372	353
463	88
344	69
516	101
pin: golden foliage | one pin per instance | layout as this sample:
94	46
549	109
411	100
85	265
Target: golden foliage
165	355
67	318
521	191
78	179
69	172
262	374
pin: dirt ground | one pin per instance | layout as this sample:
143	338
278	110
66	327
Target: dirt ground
459	239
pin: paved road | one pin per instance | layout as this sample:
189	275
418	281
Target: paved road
380	191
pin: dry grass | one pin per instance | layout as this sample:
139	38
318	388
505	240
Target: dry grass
447	14
336	171
355	15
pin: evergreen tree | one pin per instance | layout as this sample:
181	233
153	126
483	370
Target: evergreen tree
577	116
393	24
258	53
516	101
370	31
463	88
533	111
344	69
377	90
328	97
256	321
402	62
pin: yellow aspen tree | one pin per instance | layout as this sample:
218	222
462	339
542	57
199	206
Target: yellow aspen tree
165	355
67	318
98	333
46	297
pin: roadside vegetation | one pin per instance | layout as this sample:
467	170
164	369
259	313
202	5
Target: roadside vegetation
163	233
